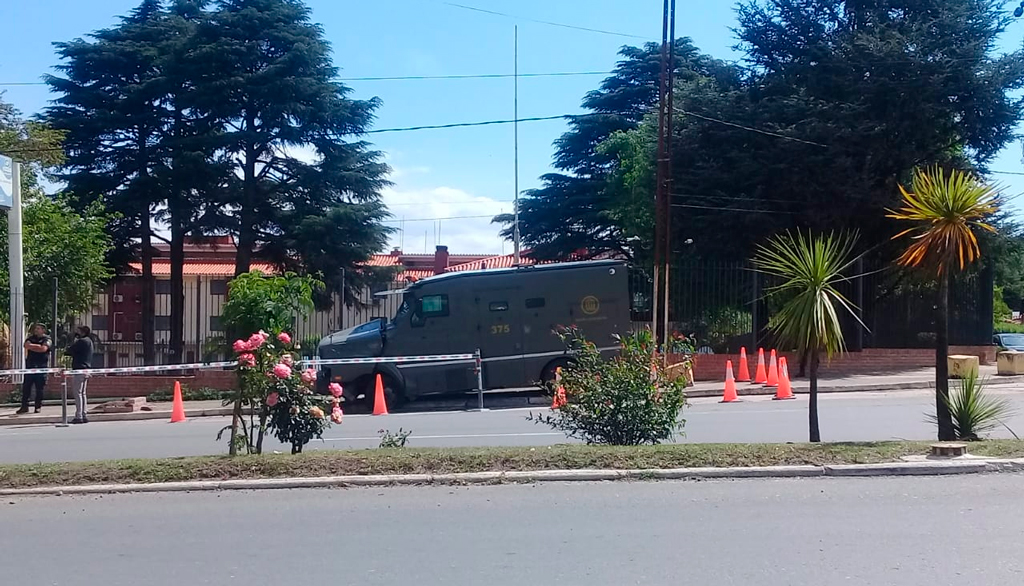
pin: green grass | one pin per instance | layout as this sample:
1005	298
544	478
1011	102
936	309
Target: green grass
440	461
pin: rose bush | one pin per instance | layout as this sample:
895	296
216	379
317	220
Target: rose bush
280	399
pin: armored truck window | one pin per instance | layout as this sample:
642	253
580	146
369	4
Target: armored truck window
535	303
499	306
434	306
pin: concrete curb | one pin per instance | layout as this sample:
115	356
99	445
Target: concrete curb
930	468
98	417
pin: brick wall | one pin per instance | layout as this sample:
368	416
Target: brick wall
116	386
711	367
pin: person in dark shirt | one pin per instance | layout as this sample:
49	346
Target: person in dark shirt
81	359
37	348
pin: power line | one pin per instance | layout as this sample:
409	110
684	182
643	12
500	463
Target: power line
751	129
476	76
439	219
484	123
725	209
450	202
511	121
411	77
545	22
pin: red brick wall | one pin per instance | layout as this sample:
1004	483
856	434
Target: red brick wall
116	386
711	367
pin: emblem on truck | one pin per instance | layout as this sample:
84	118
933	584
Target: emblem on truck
590	305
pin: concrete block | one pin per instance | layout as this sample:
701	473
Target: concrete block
960	365
1010	363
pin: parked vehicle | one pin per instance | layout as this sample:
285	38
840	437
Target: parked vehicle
1013	342
510	315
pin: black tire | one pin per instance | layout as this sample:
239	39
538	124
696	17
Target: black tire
547	375
394	393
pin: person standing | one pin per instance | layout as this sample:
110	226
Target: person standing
37	347
81	359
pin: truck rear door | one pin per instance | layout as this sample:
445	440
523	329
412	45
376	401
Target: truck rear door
500	332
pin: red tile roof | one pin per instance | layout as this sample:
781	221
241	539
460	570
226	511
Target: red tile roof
162	268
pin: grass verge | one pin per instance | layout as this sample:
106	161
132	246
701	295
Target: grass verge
441	461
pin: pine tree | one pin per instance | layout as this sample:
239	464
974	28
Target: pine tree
108	106
266	75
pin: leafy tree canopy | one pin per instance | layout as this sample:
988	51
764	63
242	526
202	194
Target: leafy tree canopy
835	104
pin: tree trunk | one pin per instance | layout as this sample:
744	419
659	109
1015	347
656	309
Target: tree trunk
942	414
246	242
148	292
247	215
812	407
177	285
262	431
236	417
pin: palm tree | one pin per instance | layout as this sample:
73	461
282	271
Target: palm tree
809	267
946	209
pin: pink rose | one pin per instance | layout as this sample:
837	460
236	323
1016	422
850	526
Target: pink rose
255	341
240	346
287	359
272	399
284	338
316	412
246	359
263	335
335	389
282	370
309	376
336	415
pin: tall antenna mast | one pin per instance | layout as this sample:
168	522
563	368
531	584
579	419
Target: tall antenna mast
515	127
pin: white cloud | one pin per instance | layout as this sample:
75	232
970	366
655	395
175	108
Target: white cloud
448	216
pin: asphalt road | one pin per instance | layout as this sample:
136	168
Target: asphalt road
811	532
844	417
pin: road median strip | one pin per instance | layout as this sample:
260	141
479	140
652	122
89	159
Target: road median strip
563	463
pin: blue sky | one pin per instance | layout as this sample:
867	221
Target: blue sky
455	173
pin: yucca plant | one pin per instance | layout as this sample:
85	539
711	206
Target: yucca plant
809	268
975	413
946	209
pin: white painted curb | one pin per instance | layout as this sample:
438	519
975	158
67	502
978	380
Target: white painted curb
930	468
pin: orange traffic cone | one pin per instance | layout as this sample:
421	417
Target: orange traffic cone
761	375
730	385
178	408
773	372
380	406
559	399
785	390
743	375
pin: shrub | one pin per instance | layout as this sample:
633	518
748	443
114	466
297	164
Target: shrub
187	394
622	401
393	440
1001	312
1008	328
974	412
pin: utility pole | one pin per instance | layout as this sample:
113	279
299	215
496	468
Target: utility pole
10	198
515	131
662	205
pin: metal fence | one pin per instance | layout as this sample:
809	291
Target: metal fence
727	305
116	321
724	305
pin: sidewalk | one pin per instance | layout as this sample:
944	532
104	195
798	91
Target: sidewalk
917	379
51	414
